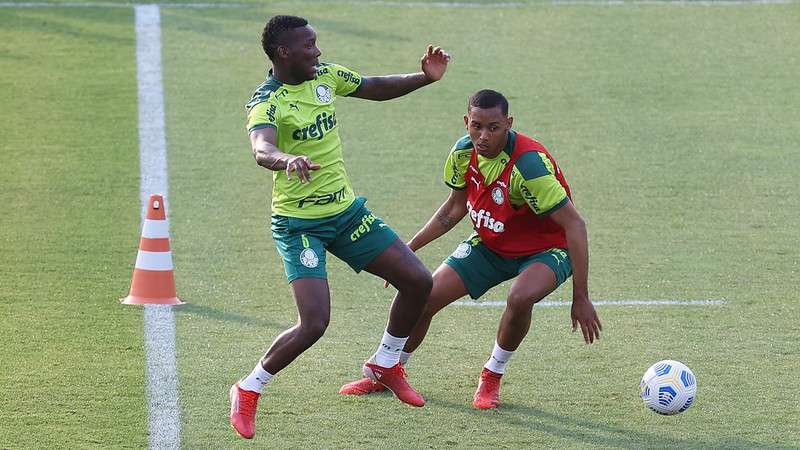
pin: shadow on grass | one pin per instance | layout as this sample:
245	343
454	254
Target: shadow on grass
223	316
594	433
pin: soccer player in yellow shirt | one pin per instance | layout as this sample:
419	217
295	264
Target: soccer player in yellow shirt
293	128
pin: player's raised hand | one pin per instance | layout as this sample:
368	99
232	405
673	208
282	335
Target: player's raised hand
434	63
583	314
302	166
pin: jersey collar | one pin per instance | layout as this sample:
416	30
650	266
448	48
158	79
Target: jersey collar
512	138
272	82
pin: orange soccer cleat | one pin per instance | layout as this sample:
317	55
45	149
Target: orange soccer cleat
394	379
362	387
488	394
243	411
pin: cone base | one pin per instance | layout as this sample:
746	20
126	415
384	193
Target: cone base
136	300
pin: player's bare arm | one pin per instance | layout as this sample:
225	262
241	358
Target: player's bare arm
269	156
379	88
443	220
583	312
446	217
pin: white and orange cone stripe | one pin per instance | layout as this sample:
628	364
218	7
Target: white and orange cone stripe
153	280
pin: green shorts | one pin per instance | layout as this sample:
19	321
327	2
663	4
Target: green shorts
482	269
355	235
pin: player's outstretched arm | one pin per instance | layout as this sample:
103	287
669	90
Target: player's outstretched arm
446	217
583	312
269	156
434	65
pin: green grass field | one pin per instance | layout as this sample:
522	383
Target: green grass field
676	126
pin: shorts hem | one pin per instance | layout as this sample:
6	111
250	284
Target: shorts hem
456	267
301	276
559	274
360	267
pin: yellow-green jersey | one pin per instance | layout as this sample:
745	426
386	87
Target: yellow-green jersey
305	119
533	179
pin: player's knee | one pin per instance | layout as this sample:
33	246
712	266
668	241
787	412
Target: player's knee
429	311
425	283
520	302
418	284
313	329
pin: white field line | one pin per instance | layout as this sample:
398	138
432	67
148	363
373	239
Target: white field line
159	321
397	4
553	303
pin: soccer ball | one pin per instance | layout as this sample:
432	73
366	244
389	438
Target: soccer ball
668	387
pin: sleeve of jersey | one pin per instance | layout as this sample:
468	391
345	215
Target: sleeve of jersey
262	115
347	81
455	168
540	187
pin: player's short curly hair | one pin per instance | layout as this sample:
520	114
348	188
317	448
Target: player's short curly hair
487	98
275	29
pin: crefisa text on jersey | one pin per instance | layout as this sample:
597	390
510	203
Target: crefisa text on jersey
322	124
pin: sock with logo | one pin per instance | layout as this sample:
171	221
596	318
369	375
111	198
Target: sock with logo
499	359
404	357
257	379
388	353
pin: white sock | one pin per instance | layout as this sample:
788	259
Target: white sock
388	353
499	359
404	357
257	379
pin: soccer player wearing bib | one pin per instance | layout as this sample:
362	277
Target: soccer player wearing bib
526	226
294	132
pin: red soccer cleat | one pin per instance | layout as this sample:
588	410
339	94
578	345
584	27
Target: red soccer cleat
243	411
488	394
394	379
362	387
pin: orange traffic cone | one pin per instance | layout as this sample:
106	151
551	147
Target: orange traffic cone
153	281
